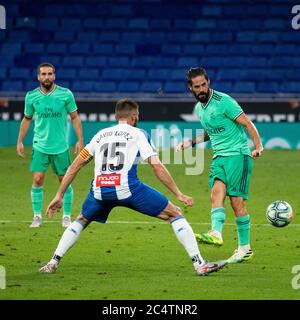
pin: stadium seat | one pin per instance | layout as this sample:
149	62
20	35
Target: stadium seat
151	87
128	86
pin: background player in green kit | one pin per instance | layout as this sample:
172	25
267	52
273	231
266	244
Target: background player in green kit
224	121
50	104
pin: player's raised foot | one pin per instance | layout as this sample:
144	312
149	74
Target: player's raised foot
37	222
210	237
209	267
66	221
49	268
240	255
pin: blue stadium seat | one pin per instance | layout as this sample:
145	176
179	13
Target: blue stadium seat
142	61
57	48
31	85
19	73
26	23
104	49
64	36
223	86
175	87
151	86
121	61
93	24
83	86
116	23
88	74
155	37
67	73
128	86
96	61
138	24
3	73
212	10
184	24
47	24
112	74
275	24
107	86
291	87
192	49
12	86
109	36
131	37
188	62
268	87
148	49
178	74
171	49
87	36
244	87
164	62
11	48
34	47
69	24
160	24
79	48
159	74
137	74
125	49
246	36
73	61
206	24
269	36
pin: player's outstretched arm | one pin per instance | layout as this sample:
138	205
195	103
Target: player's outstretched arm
81	160
253	133
187	143
24	126
165	177
76	122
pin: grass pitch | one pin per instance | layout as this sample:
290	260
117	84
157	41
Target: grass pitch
137	257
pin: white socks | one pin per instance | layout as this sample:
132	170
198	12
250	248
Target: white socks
186	237
67	240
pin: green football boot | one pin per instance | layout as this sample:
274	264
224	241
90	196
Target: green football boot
209	238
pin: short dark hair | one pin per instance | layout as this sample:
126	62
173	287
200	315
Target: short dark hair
125	107
45	64
195	72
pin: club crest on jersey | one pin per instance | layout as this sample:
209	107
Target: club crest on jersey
108	180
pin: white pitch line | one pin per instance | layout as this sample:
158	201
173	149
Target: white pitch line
148	222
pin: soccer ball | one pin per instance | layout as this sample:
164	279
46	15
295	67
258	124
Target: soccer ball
279	213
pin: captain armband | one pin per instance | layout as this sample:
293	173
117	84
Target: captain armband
84	155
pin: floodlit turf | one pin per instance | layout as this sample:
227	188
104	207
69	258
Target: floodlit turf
137	257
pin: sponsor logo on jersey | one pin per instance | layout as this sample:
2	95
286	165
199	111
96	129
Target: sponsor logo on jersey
108	180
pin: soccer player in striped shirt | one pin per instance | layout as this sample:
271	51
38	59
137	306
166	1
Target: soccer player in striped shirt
50	105
116	151
224	121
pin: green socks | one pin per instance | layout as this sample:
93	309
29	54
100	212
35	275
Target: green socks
68	201
217	219
37	199
243	230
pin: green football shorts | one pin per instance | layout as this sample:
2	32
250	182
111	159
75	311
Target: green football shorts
234	171
59	162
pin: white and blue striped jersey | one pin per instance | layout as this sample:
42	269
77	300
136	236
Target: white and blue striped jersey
117	151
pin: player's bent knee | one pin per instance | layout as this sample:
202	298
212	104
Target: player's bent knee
82	220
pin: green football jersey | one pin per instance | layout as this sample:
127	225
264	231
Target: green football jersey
50	115
217	118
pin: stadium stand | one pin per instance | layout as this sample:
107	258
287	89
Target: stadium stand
146	46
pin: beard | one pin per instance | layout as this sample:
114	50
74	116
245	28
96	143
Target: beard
202	96
47	85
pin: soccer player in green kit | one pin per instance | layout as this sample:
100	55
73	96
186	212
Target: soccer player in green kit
50	104
224	121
